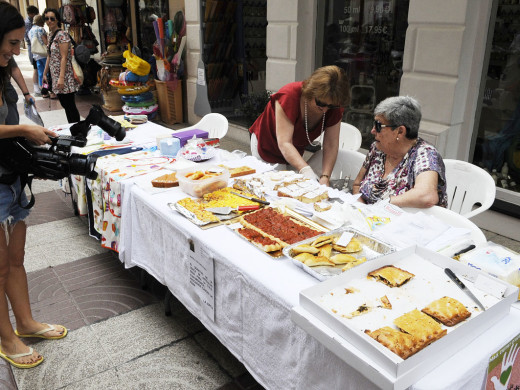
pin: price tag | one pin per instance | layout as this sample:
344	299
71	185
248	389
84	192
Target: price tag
202	279
345	238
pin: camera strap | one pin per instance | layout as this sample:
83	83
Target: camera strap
26	180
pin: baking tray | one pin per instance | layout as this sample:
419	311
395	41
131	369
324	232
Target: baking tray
287	211
372	248
429	284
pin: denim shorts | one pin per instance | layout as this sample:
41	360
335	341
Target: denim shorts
10	210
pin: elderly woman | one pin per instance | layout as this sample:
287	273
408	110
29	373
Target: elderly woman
400	166
298	114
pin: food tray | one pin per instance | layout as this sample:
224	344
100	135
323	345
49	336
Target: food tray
429	284
199	188
372	248
288	212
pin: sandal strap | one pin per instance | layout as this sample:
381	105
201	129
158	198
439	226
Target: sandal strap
19	355
45	330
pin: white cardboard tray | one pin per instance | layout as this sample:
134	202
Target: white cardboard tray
375	356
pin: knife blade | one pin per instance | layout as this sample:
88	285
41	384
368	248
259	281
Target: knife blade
463	287
227	210
251	198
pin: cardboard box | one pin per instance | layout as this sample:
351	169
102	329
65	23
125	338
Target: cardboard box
184	136
396	373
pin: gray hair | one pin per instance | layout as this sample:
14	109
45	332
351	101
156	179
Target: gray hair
401	111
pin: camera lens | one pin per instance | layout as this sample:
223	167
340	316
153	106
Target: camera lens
97	117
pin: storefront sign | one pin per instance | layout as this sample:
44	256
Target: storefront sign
202	279
504	367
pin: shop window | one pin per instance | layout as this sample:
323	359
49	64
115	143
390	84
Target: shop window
366	39
497	147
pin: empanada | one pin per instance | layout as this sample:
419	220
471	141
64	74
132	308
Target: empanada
318	260
421	326
353	264
352	247
391	276
402	344
303	257
325	250
343	258
320	241
447	310
304	248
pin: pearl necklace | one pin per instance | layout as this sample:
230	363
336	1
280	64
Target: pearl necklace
307	127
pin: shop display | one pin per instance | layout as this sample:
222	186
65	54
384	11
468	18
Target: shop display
335	252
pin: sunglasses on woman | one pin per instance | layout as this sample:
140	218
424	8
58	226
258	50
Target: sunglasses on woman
51	18
379	126
321	104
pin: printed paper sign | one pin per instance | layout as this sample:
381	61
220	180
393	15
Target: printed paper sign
504	368
201	269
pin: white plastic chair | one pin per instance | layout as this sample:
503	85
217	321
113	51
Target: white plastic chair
348	163
471	190
215	124
349	137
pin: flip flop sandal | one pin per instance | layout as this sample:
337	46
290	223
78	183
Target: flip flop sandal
40	334
10	359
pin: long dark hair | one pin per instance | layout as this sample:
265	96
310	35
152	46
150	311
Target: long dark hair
56	14
10	19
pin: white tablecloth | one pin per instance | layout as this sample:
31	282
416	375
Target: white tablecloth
254	295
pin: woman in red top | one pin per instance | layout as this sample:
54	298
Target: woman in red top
298	114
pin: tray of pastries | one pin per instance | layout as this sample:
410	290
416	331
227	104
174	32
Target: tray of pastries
272	229
404	312
335	252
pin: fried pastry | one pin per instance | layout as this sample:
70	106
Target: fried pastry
343	258
385	302
352	247
447	310
304	248
318	260
402	344
322	241
421	326
391	276
303	257
325	250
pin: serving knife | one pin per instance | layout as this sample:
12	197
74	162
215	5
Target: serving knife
227	210
250	198
463	287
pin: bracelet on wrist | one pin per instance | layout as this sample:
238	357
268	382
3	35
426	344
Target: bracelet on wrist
26	93
327	176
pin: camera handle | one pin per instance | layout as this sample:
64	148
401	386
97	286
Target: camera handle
26	180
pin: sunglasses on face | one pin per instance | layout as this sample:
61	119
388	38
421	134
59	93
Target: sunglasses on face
378	126
51	18
319	103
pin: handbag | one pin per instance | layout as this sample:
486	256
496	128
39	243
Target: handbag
37	47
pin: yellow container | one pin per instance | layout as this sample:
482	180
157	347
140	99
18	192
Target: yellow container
170	102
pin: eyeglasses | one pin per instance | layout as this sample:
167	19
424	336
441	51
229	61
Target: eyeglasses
319	103
378	126
51	18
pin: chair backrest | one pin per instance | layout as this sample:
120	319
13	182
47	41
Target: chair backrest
215	124
349	137
471	190
348	163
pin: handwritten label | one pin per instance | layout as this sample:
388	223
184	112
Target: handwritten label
202	279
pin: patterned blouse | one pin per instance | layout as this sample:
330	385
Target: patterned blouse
71	85
422	157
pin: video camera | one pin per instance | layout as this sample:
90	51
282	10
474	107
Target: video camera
57	162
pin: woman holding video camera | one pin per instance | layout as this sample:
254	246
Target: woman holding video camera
13	278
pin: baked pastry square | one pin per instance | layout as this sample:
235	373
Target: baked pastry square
402	344
421	326
391	276
447	310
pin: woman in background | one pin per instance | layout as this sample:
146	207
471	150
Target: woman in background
59	63
38	31
400	166
13	278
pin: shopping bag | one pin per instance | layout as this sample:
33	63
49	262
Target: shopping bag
78	72
37	47
31	112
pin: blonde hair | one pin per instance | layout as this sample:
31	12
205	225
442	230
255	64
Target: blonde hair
38	20
328	83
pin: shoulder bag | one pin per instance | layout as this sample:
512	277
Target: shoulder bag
37	47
